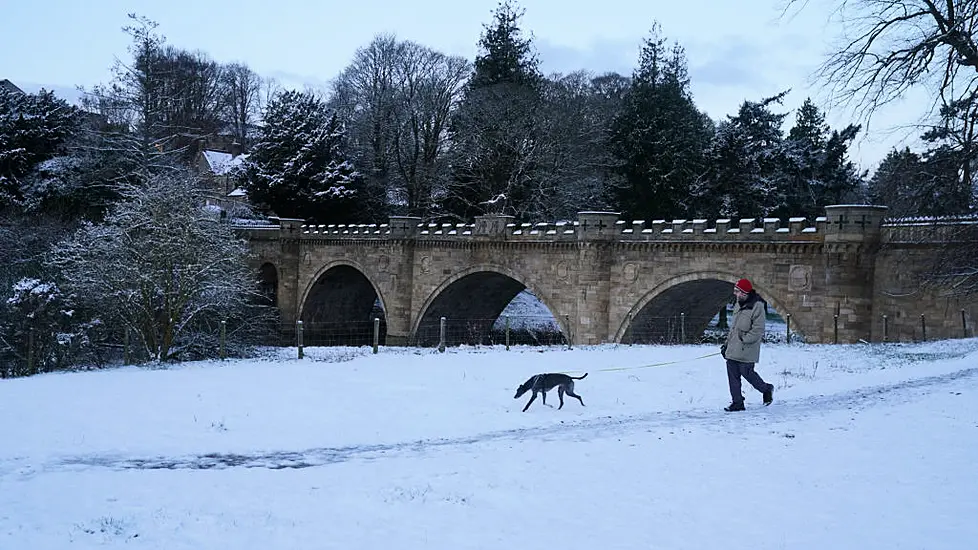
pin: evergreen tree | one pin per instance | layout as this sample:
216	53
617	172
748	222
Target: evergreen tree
33	128
745	159
911	184
803	149
810	128
507	57
298	167
40	331
839	181
894	184
950	174
496	130
816	170
941	190
659	137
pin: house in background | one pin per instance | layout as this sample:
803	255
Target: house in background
10	87
219	168
216	159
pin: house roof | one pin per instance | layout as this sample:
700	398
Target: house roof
10	87
220	162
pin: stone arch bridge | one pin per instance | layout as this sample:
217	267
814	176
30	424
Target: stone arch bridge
848	276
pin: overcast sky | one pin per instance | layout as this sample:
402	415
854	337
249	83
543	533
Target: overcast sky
737	49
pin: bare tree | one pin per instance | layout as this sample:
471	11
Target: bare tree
137	105
576	168
397	97
891	46
194	100
364	95
167	97
499	143
955	273
134	102
430	87
243	100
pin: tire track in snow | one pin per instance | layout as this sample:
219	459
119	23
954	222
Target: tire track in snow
592	428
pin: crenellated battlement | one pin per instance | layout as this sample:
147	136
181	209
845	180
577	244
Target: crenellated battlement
842	223
845	276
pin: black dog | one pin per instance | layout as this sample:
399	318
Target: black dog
542	383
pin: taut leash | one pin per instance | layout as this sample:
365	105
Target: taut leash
611	369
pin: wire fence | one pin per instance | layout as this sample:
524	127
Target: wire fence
511	331
681	329
507	331
545	330
24	358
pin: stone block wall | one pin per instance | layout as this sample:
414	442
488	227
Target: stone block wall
835	275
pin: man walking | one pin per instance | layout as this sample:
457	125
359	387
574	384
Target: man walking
743	346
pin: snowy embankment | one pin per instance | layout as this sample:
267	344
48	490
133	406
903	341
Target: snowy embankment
865	446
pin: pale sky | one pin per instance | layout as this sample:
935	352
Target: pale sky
737	49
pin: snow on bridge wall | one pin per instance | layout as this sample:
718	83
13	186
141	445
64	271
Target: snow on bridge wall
835	275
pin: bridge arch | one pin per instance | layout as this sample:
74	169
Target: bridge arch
698	294
338	304
494	284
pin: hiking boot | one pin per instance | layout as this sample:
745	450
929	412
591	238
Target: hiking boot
769	394
734	407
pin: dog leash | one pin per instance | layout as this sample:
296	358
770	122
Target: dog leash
611	369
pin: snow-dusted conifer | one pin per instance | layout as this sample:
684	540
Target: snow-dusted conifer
744	162
33	128
298	167
659	136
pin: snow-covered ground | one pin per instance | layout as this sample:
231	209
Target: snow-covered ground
865	446
527	312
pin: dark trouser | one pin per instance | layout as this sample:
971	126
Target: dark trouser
736	369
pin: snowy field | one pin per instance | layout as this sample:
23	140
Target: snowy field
864	447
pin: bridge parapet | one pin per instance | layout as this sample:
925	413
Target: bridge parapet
849	275
355	230
725	229
918	230
842	223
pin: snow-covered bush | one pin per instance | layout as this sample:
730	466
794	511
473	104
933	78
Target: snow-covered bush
165	270
40	331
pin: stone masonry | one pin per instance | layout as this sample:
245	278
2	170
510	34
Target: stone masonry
836	276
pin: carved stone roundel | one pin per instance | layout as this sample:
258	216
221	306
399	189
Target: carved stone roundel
562	270
800	277
630	273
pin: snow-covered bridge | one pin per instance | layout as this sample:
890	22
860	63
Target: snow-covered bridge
847	276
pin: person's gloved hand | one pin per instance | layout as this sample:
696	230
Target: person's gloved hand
723	351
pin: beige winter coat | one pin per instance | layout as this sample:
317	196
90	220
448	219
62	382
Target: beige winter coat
746	330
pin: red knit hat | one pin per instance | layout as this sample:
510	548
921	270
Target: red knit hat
744	286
